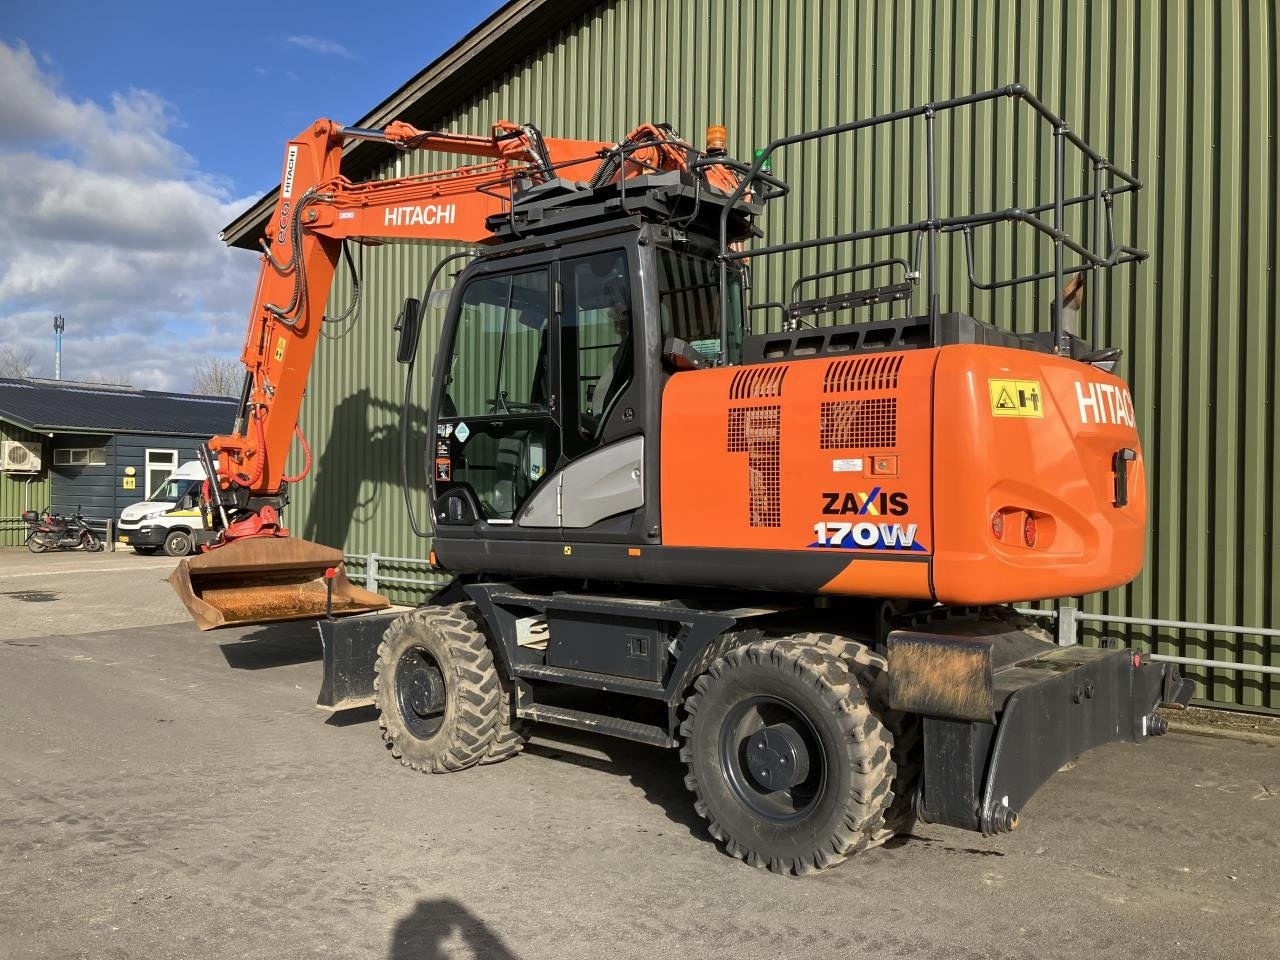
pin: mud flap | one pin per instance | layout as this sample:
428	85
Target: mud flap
1050	705
350	651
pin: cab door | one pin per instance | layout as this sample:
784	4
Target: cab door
497	434
599	487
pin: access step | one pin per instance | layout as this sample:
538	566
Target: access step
594	681
597	723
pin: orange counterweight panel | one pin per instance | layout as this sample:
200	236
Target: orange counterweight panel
1026	449
824	454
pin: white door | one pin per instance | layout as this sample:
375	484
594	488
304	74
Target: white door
160	463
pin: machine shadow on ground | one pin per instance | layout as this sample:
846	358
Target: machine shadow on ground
274	645
656	771
437	929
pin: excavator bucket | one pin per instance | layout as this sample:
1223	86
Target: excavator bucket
265	580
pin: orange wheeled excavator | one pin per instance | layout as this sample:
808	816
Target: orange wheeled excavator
790	554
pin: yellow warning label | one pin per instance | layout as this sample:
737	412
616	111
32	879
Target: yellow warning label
279	349
1016	398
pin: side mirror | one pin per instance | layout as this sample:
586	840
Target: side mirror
408	325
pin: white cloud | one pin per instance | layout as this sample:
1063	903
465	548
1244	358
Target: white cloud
320	45
107	221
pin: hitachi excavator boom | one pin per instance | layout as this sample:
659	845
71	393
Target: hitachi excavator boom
255	572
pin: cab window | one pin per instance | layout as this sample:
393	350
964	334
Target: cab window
597	355
499	361
689	303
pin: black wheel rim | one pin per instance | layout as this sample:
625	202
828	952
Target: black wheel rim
786	783
420	692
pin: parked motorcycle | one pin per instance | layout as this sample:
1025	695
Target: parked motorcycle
52	532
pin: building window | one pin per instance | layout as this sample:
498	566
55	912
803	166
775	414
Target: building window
80	457
160	463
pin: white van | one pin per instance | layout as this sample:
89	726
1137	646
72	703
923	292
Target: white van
171	519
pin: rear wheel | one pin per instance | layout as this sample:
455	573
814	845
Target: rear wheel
35	543
177	543
908	749
789	765
437	691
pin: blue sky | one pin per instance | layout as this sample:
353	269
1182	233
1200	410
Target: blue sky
130	133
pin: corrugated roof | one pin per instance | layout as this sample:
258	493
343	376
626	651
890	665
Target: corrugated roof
51	407
511	32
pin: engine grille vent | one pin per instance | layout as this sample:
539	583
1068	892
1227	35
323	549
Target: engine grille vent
752	382
866	424
756	431
862	373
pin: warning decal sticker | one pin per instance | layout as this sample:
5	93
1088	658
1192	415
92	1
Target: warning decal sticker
1016	398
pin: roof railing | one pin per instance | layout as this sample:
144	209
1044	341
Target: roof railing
1109	181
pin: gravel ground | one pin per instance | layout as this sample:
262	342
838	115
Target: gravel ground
171	794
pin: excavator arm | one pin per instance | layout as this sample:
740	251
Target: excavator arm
317	211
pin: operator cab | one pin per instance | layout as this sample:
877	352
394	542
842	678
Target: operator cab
548	379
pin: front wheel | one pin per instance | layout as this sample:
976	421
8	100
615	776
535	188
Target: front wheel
177	543
90	542
35	542
437	691
787	762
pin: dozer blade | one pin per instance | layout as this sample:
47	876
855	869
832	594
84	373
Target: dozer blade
265	580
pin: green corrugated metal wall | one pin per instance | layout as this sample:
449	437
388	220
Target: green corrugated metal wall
1184	93
16	493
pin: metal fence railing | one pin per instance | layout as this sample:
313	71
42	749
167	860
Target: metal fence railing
1067	628
374	566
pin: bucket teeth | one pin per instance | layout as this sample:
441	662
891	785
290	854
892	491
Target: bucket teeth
266	580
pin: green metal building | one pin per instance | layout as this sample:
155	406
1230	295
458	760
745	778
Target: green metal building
1183	93
20	490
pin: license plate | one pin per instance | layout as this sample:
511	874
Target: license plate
124	539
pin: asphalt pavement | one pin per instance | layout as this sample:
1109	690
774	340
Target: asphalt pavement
166	793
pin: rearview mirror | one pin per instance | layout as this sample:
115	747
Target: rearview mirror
407	325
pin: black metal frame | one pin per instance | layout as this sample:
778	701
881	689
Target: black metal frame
1105	189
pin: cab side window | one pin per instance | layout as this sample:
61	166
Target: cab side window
598	349
689	302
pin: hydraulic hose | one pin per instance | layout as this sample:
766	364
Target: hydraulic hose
306	452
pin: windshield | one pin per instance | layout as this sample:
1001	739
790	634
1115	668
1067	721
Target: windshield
173	490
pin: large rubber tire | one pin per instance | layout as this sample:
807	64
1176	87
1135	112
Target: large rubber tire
845	812
35	543
908	746
510	733
91	542
449	639
177	543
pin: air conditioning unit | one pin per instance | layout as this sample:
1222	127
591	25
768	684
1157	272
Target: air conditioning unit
17	456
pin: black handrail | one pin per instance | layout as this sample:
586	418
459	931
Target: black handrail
934	225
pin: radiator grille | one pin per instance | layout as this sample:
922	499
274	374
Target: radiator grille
866	424
752	382
755	431
862	373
